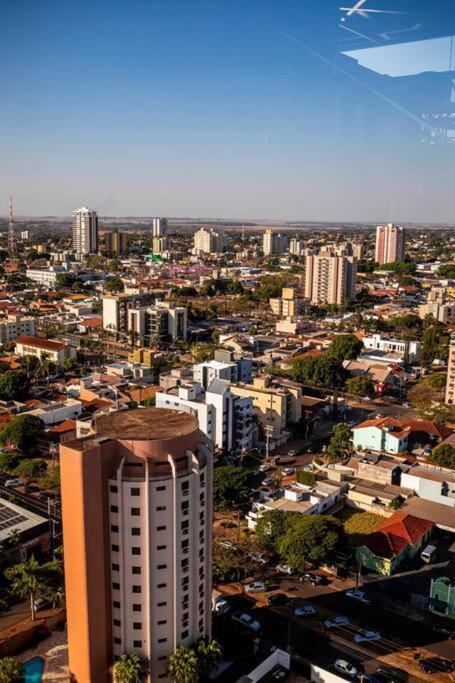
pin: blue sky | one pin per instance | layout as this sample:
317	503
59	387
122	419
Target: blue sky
226	108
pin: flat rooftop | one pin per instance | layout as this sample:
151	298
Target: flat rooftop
146	424
15	517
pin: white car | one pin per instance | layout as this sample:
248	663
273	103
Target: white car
366	636
360	596
255	587
260	558
345	667
287	470
246	620
227	544
406	405
305	611
265	468
12	483
284	569
292	452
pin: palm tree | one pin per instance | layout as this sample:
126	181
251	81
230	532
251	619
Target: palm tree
209	654
33	580
183	665
130	668
10	670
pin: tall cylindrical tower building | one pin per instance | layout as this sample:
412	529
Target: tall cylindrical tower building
137	516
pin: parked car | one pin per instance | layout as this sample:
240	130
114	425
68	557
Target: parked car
432	665
360	596
227	544
268	481
335	622
247	621
345	667
265	468
278	599
314	579
284	569
42	603
292	452
260	558
305	611
406	405
12	483
287	470
255	587
366	636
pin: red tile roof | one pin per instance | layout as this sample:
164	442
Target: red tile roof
66	426
406	426
38	342
396	533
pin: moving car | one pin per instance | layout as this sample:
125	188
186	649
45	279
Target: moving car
247	621
305	611
345	667
255	587
432	665
366	636
12	483
284	569
356	594
333	622
278	599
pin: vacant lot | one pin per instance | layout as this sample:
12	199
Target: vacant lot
358	525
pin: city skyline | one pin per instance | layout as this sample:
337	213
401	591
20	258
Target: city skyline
266	110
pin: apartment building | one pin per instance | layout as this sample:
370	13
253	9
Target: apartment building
223	366
137	516
275	407
50	349
390	243
116	307
274	243
289	304
450	386
209	241
296	247
330	279
85	231
159	227
162	321
14	326
159	244
440	305
224	417
115	243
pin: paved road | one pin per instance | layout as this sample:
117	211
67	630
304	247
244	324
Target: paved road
15	615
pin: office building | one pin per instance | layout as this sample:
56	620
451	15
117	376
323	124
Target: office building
289	304
209	241
390	243
159	227
330	279
85	231
116	307
274	243
115	243
450	386
137	528
161	322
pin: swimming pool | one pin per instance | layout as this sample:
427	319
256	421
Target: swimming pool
33	670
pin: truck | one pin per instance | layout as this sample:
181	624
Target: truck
220	604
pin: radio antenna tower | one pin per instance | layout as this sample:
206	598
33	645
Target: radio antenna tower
11	233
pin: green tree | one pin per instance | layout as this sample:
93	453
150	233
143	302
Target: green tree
400	267
23	432
272	526
437	380
32	580
30	467
203	351
228	564
444	456
305	478
345	347
339	443
311	539
230	486
183	665
30	364
323	370
14	384
114	284
360	386
130	668
9	460
10	670
70	364
209	654
66	280
447	271
434	344
50	480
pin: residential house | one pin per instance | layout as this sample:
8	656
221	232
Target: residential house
442	597
396	435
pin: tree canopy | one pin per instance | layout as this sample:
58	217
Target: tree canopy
30	467
339	443
447	271
10	670
360	386
272	526
323	370
130	668
23	432
400	267
230	486
66	280
311	539
444	456
345	347
114	284
14	384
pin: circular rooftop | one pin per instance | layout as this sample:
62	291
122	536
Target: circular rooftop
154	424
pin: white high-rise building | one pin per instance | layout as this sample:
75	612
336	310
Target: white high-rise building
85	231
137	524
330	279
209	241
159	227
296	247
390	243
274	243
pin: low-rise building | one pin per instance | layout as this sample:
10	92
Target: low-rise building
45	276
289	304
408	351
431	483
395	435
32	532
14	326
51	349
53	413
442	597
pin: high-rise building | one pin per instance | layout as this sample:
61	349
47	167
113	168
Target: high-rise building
162	321
209	241
450	386
330	279
137	527
159	244
85	231
116	307
115	243
390	243
296	246
273	243
159	227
